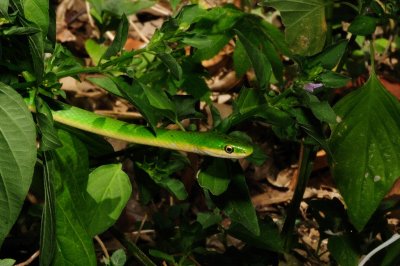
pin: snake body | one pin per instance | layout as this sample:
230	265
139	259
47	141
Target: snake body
205	143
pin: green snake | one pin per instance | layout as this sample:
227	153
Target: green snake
205	143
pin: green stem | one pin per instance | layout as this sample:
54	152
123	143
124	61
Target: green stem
123	57
77	71
307	155
132	248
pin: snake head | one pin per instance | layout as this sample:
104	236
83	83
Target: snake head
227	147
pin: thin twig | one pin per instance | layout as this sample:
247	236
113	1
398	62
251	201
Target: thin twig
138	31
140	228
91	22
162	10
30	260
388	242
103	247
132	248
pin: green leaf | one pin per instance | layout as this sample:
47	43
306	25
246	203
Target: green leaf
20	31
95	50
36	48
107	84
162	255
37	11
4	8
215	177
207	219
269	237
95	144
7	262
109	189
126	7
197	87
48	243
366	148
171	63
334	80
118	258
236	202
119	40
305	25
241	61
160	171
49	138
18	156
343	250
330	56
363	25
74	244
207	45
135	94
159	99
322	110
260	63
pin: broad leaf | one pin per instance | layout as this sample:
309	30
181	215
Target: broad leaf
18	156
109	189
305	25
329	57
37	11
135	94
95	50
7	262
207	45
215	177
363	25
105	83
366	148
260	63
4	8
74	244
118	258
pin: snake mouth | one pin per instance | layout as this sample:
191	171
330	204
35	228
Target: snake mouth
221	153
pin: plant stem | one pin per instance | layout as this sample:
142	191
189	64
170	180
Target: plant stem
77	71
307	154
132	248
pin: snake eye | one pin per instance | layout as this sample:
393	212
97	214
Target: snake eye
229	149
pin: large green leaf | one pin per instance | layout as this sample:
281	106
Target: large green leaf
18	156
366	148
74	244
37	11
305	25
215	177
260	63
109	189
